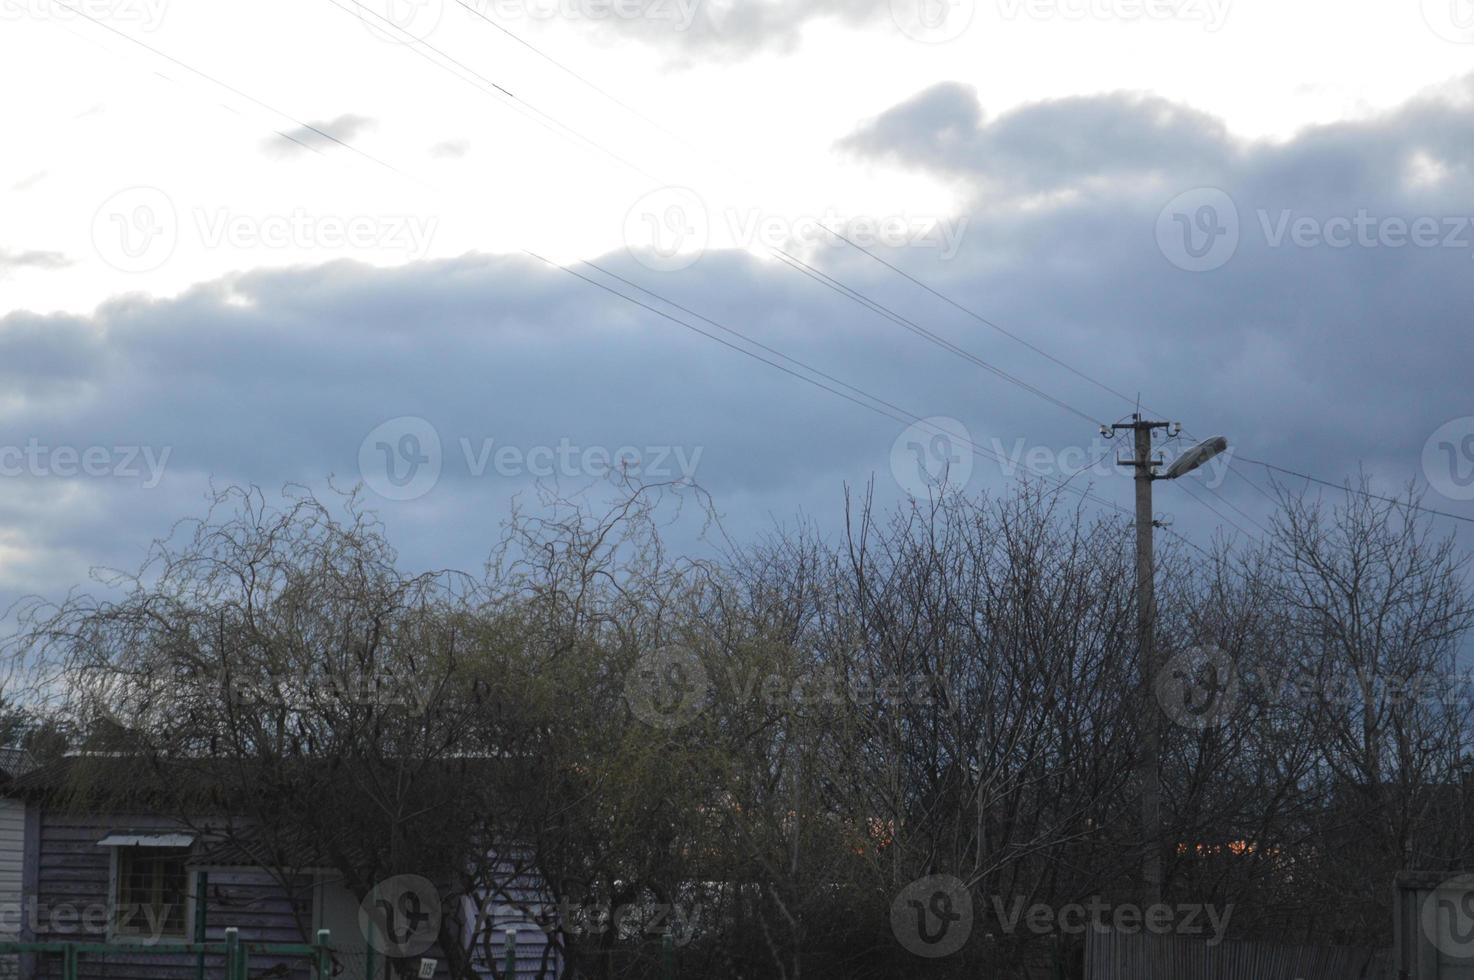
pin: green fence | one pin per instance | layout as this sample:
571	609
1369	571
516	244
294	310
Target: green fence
236	954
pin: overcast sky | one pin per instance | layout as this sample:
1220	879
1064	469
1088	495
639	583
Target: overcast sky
311	262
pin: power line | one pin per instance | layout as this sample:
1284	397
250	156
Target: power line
1347	488
560	65
1218	513
978	316
906	415
756	343
838	235
875	306
789	259
879	405
910	325
853	294
543	118
886	408
928	335
813	273
250	98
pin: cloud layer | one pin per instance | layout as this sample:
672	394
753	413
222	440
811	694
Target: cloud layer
1082	233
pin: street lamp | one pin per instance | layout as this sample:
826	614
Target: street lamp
1149	772
1195	457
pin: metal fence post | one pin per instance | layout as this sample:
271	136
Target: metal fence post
201	885
232	951
667	958
511	943
324	954
369	966
69	962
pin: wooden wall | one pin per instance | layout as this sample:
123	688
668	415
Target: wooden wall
12	882
73	879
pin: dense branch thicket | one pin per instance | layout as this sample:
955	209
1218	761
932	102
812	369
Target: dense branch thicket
756	755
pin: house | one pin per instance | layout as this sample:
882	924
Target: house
139	883
13	763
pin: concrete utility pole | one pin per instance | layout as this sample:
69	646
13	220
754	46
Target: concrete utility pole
1149	770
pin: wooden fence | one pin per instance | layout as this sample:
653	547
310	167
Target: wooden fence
1142	956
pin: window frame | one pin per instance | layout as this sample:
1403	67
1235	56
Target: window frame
115	868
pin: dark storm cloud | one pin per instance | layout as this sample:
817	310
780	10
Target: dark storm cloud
1317	356
318	135
1340	342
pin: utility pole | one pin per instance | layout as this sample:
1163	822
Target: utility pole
1149	768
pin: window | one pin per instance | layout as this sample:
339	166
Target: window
150	894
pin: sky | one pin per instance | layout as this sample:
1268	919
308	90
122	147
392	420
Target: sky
344	242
